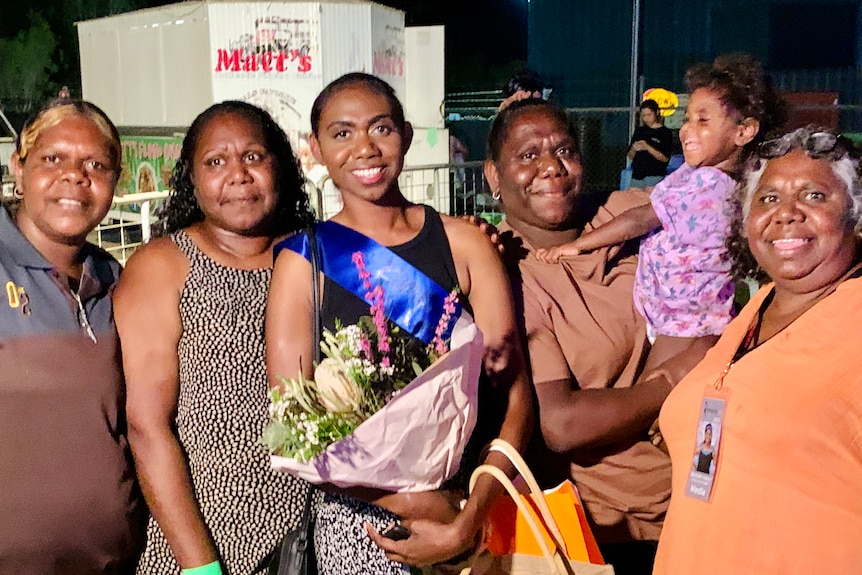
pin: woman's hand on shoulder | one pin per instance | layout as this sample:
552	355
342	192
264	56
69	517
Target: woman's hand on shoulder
471	242
489	230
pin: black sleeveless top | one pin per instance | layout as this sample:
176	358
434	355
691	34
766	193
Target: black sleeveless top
428	252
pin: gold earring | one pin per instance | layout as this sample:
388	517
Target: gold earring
496	195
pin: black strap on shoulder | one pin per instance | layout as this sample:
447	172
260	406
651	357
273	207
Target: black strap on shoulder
315	291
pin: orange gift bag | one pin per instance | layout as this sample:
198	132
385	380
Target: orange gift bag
540	533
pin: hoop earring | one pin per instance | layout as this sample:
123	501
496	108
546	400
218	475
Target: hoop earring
496	195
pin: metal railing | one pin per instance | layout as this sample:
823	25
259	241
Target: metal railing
457	189
128	224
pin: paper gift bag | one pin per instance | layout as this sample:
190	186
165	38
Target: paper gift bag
508	531
535	533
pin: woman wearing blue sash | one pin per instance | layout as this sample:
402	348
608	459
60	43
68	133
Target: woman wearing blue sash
360	135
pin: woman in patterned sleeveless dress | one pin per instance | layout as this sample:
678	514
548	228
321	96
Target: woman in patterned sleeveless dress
360	135
190	310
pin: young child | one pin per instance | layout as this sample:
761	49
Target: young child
684	287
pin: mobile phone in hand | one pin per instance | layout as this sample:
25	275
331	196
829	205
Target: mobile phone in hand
396	532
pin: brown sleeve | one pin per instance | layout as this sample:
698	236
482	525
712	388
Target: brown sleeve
547	360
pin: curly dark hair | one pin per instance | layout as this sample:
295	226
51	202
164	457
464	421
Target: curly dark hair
503	123
744	89
292	210
817	143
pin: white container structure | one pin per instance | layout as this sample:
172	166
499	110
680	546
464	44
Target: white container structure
161	67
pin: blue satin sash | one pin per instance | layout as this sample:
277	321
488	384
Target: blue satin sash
411	299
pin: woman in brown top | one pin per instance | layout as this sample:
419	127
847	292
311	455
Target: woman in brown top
587	343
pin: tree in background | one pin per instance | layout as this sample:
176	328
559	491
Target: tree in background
27	63
39	50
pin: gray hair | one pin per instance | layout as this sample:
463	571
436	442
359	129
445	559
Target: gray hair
816	143
836	150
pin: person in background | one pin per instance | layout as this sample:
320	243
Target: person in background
359	133
190	311
69	500
784	381
525	84
458	153
650	149
586	341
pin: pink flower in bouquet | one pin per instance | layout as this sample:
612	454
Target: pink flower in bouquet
367	365
438	343
378	315
359	261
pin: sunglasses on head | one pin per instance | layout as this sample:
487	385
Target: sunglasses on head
815	144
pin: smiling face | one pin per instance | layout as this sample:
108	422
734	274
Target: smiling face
538	174
798	225
67	182
361	143
712	135
234	175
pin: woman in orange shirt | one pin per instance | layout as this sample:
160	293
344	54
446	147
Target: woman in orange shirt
782	388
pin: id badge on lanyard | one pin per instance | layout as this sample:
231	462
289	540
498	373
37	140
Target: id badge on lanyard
706	458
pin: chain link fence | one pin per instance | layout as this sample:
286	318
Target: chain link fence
603	136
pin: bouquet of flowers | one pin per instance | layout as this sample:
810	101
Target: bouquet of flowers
383	410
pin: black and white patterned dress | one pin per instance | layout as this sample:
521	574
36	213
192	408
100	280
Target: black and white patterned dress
221	413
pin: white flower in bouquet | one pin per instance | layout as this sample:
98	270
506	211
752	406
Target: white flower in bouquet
335	390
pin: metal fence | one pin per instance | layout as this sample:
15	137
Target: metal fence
128	224
457	189
603	135
603	138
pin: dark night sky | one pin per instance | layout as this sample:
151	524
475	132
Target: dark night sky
497	29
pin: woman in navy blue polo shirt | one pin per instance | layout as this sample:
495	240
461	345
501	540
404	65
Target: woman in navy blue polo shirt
69	499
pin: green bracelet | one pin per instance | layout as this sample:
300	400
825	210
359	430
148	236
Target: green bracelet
213	568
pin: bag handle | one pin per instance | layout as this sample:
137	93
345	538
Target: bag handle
505	448
498	474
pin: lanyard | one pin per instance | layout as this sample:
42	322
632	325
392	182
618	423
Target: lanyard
752	336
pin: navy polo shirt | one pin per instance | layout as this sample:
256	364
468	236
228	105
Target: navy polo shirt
46	304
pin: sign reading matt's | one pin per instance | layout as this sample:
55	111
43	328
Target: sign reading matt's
267	44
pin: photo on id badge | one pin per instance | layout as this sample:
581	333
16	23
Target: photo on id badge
705	458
